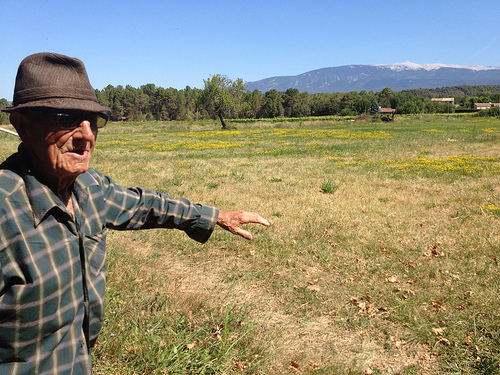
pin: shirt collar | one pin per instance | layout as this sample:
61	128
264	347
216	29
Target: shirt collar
41	198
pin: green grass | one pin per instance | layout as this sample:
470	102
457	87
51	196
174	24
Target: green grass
396	272
329	187
148	330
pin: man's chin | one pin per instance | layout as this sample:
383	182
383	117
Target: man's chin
75	170
75	165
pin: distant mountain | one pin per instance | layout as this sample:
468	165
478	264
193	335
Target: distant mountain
397	77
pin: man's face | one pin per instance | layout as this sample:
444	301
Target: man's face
60	155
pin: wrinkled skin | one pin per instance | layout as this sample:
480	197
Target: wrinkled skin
59	155
232	221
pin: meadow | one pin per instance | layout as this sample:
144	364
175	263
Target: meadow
381	256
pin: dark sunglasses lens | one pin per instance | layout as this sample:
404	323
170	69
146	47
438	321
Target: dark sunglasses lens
102	120
70	121
67	121
98	120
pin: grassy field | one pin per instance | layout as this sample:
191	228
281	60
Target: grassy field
381	257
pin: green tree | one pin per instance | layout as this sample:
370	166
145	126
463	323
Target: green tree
191	103
347	102
252	102
4	117
325	104
221	97
375	108
362	106
385	96
409	107
272	106
290	98
168	104
111	97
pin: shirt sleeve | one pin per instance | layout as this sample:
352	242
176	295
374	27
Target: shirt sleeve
138	208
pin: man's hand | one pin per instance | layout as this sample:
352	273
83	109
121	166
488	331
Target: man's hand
232	220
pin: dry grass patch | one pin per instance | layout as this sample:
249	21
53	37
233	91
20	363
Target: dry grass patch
369	278
381	256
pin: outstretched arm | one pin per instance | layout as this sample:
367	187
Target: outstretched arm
232	220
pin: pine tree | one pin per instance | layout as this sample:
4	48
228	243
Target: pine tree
375	108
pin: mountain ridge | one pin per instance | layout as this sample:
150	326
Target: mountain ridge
375	77
413	66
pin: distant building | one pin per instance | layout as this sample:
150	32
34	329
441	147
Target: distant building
444	100
387	111
485	105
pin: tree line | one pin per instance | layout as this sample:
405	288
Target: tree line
222	98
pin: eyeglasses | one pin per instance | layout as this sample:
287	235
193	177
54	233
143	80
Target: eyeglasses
70	121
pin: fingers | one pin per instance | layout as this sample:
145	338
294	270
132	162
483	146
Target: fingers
243	233
252	217
232	220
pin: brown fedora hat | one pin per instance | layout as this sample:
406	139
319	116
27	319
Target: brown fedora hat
55	81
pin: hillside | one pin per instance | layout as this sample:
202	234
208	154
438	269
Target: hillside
397	77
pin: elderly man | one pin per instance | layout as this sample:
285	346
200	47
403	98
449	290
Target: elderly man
54	213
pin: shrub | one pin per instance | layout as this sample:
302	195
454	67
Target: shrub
493	111
329	187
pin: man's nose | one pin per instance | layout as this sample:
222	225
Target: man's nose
85	129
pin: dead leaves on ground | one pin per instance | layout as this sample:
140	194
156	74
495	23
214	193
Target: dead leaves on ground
313	284
314	288
392	279
240	366
367	308
191	345
297	367
438	332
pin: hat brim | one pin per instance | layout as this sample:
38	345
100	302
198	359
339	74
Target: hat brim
60	103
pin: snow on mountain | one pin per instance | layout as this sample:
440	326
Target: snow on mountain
407	65
375	77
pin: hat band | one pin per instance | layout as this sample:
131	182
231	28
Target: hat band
33	94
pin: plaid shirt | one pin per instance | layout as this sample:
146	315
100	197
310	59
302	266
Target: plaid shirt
52	266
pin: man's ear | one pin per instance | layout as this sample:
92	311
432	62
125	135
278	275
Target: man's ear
20	123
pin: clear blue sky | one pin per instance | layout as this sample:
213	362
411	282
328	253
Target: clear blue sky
181	43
